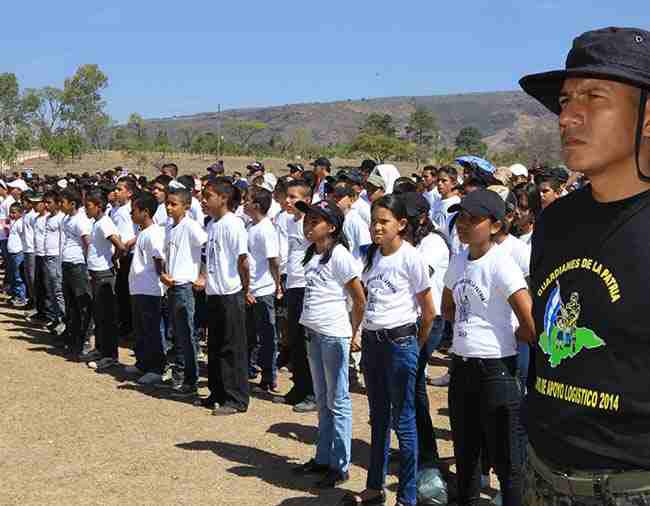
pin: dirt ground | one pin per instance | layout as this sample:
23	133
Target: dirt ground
71	436
187	163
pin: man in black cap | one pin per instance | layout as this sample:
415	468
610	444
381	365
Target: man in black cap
322	169
296	170
255	169
589	407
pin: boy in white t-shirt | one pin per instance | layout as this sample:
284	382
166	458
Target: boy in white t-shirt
15	258
184	239
38	314
159	190
146	292
29	215
53	279
104	238
265	287
227	278
447	185
76	289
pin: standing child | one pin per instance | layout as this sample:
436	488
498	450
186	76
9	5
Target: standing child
15	258
482	288
76	289
53	278
146	292
227	278
397	281
331	274
184	240
103	238
29	216
265	286
40	312
447	185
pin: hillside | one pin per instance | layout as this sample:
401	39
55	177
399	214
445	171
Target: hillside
499	116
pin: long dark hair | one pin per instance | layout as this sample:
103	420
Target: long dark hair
395	204
421	227
338	237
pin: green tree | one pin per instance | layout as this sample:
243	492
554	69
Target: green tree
24	138
50	109
382	147
8	153
16	109
422	127
469	142
242	132
137	127
379	124
161	142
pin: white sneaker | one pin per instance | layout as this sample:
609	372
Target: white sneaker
442	381
131	369
151	378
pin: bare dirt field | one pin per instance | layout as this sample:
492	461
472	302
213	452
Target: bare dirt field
71	436
188	164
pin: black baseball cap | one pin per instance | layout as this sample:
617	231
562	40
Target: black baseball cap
342	192
327	209
484	203
367	166
416	204
255	166
321	162
352	175
295	167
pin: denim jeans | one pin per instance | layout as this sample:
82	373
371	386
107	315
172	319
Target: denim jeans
262	338
181	309
149	342
76	293
485	399
427	447
17	287
227	351
53	281
105	312
523	361
329	361
390	369
30	274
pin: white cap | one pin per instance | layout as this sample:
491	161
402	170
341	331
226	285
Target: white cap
518	170
267	186
62	183
18	183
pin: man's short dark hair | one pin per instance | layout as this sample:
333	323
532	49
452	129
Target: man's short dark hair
97	197
172	166
146	202
183	194
223	187
163	180
72	195
301	183
262	198
129	182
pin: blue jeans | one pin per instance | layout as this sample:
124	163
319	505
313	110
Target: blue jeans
181	309
523	361
17	287
149	342
262	338
53	281
391	370
427	447
329	359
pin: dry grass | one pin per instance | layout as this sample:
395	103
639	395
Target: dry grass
188	164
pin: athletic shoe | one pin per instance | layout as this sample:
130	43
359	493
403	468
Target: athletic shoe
442	381
18	304
151	378
37	317
131	369
306	406
184	390
91	356
103	364
264	388
58	329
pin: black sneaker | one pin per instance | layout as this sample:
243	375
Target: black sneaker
333	478
311	467
184	390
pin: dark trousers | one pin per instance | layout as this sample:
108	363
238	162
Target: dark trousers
427	447
227	351
39	285
30	272
484	400
181	310
105	312
302	383
76	294
149	342
262	340
125	324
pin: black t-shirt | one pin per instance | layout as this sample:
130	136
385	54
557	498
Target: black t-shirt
589	407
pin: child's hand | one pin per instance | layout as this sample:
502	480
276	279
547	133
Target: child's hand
199	284
250	300
167	280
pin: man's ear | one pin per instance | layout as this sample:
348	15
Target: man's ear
646	120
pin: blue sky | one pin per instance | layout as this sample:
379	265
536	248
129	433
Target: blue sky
171	58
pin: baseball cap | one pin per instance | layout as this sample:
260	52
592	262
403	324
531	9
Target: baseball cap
484	203
33	196
519	170
321	162
508	197
19	184
376	180
341	192
328	209
295	167
255	166
352	175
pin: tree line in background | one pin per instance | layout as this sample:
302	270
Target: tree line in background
69	121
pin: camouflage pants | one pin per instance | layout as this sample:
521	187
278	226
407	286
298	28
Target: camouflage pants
537	492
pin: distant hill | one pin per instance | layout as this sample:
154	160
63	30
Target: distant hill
500	116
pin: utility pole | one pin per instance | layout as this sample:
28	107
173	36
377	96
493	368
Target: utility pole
219	132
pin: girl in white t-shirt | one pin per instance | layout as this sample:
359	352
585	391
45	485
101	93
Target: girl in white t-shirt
331	274
483	286
397	282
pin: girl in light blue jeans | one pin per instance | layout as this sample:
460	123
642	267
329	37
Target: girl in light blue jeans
331	274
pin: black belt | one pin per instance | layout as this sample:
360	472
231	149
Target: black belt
590	484
393	334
